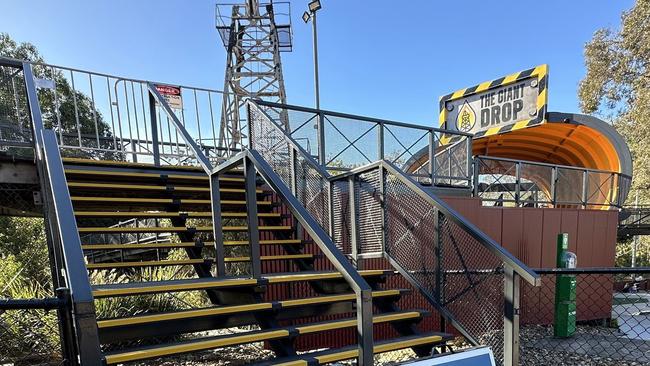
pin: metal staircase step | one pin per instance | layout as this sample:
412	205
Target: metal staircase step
142	175
221	310
168	201
249	337
142	288
161	263
346	353
141	214
129	164
185	244
271	258
148	187
174	229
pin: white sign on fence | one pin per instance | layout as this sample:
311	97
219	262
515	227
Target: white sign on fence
172	95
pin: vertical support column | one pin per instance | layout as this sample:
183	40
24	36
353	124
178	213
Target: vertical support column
354	221
517	184
511	318
330	208
585	182
554	186
477	168
380	142
294	188
321	139
250	177
153	117
364	328
440	281
382	206
470	159
217	227
432	156
610	195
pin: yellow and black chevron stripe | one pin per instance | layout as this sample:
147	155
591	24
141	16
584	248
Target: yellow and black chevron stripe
541	72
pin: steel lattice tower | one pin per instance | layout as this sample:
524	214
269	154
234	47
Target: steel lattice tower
253	41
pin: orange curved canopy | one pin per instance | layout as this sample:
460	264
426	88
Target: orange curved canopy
554	143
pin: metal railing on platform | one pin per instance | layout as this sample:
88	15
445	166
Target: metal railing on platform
109	117
379	211
344	141
516	183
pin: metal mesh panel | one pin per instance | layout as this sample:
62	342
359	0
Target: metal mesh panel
341	215
472	283
370	225
14	114
18	199
29	337
447	262
312	191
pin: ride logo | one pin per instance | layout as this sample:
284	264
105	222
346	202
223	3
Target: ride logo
503	106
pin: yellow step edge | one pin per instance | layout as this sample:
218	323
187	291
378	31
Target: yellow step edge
169	214
263	242
378	319
200	285
108	323
154	187
162	200
182	244
269	258
102	324
136	246
194	346
317	276
150	175
127	163
173	229
180	262
334	298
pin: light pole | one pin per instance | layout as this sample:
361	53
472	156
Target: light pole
314	6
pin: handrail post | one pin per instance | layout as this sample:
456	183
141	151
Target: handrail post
517	184
250	176
380	142
470	159
476	167
154	130
321	138
440	285
585	177
432	156
63	229
511	318
554	186
354	221
365	327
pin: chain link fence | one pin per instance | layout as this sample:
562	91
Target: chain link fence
612	319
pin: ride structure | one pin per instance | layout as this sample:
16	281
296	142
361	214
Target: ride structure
357	237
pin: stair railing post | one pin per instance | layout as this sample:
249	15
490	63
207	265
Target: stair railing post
321	139
440	286
365	327
354	221
154	129
585	187
511	318
432	156
217	228
250	177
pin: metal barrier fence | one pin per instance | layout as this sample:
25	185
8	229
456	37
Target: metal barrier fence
613	319
340	142
378	211
108	117
515	183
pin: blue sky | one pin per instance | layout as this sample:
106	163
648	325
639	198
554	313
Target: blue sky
389	59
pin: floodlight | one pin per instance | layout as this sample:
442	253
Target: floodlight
314	6
305	17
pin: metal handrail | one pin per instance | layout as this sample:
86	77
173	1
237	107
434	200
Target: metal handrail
200	156
69	258
494	158
357	117
363	291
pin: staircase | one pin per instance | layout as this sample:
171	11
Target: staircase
147	235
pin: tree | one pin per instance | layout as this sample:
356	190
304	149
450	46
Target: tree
616	87
60	107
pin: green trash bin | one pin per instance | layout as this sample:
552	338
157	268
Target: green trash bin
565	291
